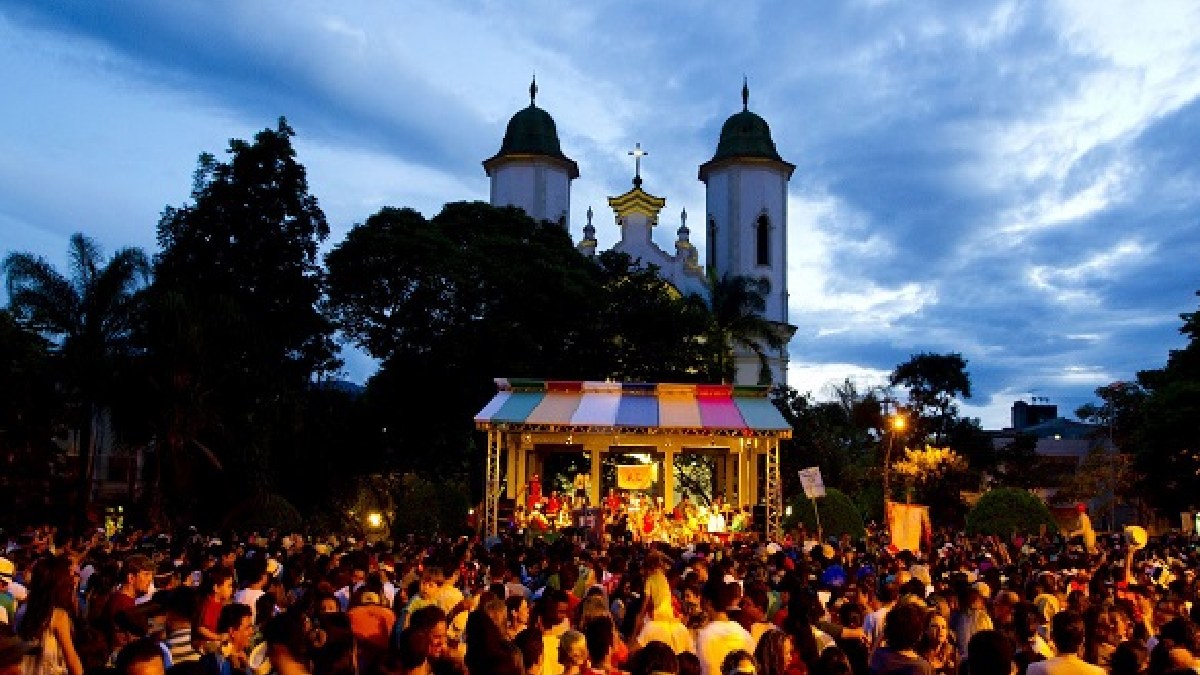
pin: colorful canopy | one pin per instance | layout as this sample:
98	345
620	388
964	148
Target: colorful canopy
603	406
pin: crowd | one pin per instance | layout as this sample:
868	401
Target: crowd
147	603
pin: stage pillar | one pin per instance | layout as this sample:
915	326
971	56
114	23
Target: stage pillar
668	478
595	493
522	474
511	485
731	474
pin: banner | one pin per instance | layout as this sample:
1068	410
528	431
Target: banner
635	476
814	485
908	525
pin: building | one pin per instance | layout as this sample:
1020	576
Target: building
744	228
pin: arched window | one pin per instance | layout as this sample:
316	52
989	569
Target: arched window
710	248
762	240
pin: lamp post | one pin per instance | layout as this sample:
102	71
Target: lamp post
896	424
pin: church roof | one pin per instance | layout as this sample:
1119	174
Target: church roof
637	200
532	133
601	407
745	135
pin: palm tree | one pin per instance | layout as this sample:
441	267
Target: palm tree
737	304
88	317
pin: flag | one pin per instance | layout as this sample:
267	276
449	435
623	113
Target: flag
814	485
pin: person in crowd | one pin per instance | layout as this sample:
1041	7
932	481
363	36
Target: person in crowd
937	647
49	620
721	636
738	662
573	653
518	614
655	658
140	657
775	654
1129	658
233	656
529	641
970	618
1067	633
254	583
287	639
990	652
217	592
659	622
902	629
600	635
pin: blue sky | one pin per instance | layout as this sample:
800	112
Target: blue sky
1016	181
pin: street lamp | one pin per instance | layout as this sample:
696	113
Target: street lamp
896	424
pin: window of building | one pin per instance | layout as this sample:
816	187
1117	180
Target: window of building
762	232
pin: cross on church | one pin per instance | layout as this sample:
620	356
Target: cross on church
637	153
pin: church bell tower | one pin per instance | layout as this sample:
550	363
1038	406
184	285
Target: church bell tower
746	184
531	171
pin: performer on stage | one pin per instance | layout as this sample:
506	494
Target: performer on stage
553	506
582	482
612	503
535	491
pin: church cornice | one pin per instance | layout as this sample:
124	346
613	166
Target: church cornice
712	165
637	200
493	163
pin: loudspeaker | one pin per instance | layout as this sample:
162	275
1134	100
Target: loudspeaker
760	519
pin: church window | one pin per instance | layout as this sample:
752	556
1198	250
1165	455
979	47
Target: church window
762	236
711	245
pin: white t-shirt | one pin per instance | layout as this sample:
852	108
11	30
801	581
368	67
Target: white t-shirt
249	597
674	633
716	640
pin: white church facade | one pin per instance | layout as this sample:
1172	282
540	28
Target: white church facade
744	227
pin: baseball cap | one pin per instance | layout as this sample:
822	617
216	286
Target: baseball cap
7	569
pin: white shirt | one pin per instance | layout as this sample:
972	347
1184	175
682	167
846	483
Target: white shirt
716	640
249	597
1064	665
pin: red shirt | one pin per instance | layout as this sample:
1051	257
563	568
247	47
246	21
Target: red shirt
210	613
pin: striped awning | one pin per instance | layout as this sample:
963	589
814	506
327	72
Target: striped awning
599	407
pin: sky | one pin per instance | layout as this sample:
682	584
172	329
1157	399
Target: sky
1017	182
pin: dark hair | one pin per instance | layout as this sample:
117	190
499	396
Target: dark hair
288	631
231	616
138	651
1066	629
656	657
769	652
799	625
412	647
213	578
529	641
732	659
833	661
1129	658
689	664
52	588
903	626
599	635
427	617
989	652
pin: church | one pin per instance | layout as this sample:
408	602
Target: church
745	223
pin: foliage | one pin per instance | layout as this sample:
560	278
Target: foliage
838	436
1017	461
1004	510
262	512
443	507
838	514
929	464
235	326
737	304
933	381
89	317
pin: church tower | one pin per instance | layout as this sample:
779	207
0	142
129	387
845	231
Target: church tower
531	171
746	184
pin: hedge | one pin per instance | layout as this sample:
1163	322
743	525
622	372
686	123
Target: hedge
838	514
1003	510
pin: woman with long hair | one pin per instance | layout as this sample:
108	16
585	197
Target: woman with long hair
936	646
776	655
49	618
808	640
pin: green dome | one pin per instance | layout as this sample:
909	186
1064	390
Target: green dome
746	135
532	132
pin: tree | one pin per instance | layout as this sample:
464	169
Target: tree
238	289
933	382
89	316
737	304
837	512
1118	413
1004	511
1166	437
839	437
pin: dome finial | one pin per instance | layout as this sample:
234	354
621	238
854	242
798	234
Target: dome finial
637	153
745	94
533	90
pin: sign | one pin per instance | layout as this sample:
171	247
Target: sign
635	476
812	482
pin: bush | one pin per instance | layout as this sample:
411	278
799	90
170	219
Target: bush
263	512
1003	510
838	514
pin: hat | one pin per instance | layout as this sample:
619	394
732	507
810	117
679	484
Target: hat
7	569
13	649
371	598
272	567
827	551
